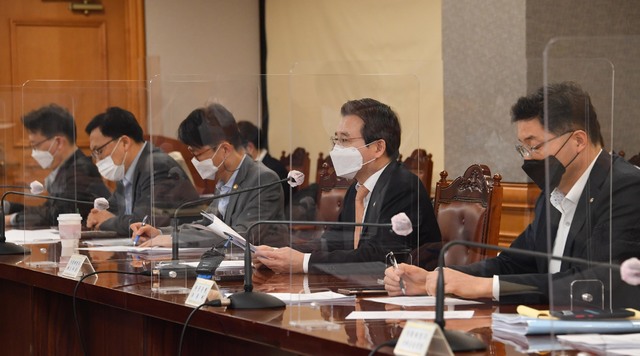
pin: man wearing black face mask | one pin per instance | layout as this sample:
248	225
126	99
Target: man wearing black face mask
578	220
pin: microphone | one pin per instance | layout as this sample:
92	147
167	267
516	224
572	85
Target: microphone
294	178
400	224
7	248
461	341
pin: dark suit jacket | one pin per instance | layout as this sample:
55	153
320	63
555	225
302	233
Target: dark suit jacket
246	208
78	179
165	182
396	191
607	215
276	166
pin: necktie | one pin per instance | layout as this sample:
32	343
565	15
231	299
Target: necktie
361	193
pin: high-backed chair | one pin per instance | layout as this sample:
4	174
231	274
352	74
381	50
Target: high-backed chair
331	191
421	164
469	208
299	160
169	145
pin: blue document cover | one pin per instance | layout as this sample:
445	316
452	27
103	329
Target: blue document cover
517	324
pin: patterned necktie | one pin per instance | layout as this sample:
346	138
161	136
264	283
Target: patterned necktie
361	193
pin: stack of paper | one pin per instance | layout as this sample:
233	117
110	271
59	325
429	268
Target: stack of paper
517	324
622	344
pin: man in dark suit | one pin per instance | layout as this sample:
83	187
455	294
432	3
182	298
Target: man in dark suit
366	147
218	154
51	131
148	181
255	146
589	203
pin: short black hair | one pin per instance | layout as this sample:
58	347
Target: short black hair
251	134
51	120
116	122
380	123
569	108
208	126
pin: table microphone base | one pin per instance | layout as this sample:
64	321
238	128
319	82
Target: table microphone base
460	341
254	300
8	248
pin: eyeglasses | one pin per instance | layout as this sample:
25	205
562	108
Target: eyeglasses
197	155
36	145
342	140
96	153
528	151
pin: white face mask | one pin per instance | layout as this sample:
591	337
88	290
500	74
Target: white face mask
206	168
44	158
109	170
347	161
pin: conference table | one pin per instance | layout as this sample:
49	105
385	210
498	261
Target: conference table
120	314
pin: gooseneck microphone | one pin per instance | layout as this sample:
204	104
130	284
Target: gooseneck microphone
7	248
461	341
248	299
294	179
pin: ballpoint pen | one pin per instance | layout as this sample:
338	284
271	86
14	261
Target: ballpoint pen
392	258
144	222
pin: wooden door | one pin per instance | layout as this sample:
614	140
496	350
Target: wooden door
84	62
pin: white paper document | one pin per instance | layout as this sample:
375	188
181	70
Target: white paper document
408	314
421	301
327	296
609	344
31	236
223	230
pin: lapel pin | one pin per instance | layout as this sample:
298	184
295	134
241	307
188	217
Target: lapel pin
235	186
591	200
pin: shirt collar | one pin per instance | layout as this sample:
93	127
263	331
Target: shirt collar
370	183
557	198
262	155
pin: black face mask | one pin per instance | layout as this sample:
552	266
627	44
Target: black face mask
534	168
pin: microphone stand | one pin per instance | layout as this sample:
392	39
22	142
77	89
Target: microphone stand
257	300
461	341
8	248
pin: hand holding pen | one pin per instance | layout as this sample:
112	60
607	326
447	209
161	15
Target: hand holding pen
137	238
394	263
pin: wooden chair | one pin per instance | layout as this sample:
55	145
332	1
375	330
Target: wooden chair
421	164
635	160
300	161
169	146
469	208
331	191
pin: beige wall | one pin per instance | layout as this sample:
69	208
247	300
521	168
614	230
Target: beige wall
341	50
194	44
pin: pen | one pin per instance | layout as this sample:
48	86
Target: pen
392	257
144	222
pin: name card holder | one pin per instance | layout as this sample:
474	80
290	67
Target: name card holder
420	338
77	267
200	291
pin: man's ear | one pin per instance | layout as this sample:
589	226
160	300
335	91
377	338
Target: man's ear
581	139
126	142
380	147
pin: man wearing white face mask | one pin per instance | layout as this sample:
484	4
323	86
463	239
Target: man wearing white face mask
366	144
146	178
51	132
218	154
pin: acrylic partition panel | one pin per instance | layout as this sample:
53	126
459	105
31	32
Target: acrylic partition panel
587	211
342	152
59	113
